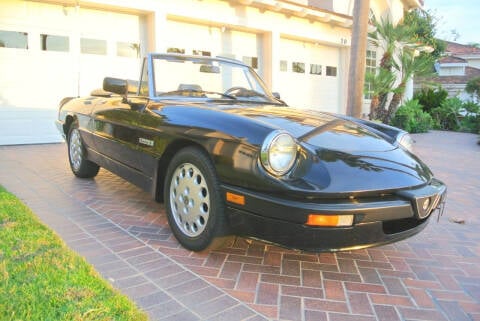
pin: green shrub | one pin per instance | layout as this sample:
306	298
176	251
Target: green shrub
430	98
412	118
471	107
470	124
473	87
471	121
447	116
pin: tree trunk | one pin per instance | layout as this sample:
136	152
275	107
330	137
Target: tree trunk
373	107
392	108
358	52
387	61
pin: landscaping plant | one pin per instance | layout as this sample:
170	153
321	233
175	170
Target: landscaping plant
431	98
412	118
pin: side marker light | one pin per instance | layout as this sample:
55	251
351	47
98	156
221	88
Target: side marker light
329	220
235	198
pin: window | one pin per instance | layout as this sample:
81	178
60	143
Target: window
176	50
315	69
228	56
371	17
283	65
371	68
331	71
202	53
298	67
128	49
54	43
250	61
93	46
371	61
13	39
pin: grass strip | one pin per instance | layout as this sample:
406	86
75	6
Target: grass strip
42	279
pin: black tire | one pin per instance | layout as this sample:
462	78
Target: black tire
79	164
193	202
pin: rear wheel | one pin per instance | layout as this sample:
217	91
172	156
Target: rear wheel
194	206
80	166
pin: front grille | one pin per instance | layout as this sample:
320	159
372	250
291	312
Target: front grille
397	226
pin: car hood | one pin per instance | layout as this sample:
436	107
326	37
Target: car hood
343	156
338	156
318	129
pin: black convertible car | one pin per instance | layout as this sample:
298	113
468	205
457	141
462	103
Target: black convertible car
226	156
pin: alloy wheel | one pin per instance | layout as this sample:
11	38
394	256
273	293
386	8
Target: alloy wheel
75	147
189	199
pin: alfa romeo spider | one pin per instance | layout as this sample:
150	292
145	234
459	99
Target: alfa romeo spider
226	156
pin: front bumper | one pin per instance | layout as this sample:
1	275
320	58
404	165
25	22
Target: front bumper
376	221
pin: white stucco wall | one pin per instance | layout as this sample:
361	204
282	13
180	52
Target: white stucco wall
51	76
451	71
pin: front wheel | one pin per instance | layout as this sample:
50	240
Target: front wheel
80	166
194	206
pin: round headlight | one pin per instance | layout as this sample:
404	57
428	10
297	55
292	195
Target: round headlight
279	151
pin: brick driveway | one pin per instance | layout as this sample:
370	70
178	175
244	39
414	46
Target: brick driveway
124	234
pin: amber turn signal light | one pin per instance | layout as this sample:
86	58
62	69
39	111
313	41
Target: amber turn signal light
235	198
329	220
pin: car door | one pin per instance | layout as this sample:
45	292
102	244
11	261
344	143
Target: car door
114	128
152	139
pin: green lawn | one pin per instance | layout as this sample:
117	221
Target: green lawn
41	279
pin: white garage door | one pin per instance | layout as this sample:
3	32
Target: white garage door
309	75
48	52
198	39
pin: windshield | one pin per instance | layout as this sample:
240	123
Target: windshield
207	78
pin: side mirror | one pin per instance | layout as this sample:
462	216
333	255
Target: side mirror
276	95
115	85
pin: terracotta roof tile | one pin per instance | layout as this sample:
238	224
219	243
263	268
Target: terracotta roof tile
451	59
470	73
458	49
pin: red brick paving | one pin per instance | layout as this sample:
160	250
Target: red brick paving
124	234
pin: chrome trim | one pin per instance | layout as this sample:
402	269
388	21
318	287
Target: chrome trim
264	152
406	141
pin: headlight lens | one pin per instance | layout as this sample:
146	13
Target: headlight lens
279	151
406	141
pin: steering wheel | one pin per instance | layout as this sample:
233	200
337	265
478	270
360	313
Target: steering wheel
236	91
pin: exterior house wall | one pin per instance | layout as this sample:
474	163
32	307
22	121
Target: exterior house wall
451	71
392	9
234	28
473	62
460	64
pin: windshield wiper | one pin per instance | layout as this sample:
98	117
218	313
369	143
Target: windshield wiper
196	93
221	94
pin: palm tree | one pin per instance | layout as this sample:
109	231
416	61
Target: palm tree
410	63
380	83
390	38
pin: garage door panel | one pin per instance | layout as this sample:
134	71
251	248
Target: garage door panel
54	79
309	89
109	25
190	37
54	65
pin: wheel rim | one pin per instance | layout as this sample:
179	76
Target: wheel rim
75	149
189	199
